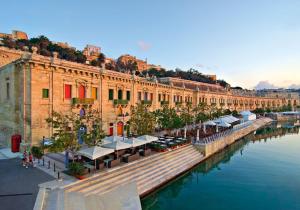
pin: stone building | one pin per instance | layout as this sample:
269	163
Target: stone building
33	86
14	35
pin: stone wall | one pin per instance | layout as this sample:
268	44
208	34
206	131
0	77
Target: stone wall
7	56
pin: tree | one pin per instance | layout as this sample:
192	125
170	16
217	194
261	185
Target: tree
65	136
186	116
142	121
168	119
93	124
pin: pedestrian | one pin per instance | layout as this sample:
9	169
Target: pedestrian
24	158
30	159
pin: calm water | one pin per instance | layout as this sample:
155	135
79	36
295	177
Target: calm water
254	173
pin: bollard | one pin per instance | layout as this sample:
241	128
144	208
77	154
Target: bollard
54	166
58	175
49	164
43	162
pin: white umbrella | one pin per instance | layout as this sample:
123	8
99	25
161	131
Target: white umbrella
135	142
147	138
204	128
197	138
224	124
110	139
117	145
185	132
95	152
211	123
217	128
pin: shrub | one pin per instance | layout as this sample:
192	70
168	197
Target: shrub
76	169
37	152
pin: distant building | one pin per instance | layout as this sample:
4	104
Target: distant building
15	35
142	65
91	52
64	45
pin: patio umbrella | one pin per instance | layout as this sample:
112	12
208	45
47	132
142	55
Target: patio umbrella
117	145
204	128
224	124
148	138
109	139
185	132
211	123
95	152
135	142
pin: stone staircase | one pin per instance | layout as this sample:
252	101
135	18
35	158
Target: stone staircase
148	173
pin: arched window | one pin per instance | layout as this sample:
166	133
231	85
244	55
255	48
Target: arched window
120	94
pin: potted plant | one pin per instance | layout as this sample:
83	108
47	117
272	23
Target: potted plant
76	169
37	152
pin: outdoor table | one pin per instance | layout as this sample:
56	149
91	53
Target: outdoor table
107	161
125	157
89	166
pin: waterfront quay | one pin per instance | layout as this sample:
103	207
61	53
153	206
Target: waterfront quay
146	174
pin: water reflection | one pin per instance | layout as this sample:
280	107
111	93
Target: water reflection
167	197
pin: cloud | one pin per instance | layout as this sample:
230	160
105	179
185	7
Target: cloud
294	86
265	85
143	45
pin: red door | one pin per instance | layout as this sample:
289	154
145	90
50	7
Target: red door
111	131
81	91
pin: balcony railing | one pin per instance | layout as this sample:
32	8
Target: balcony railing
164	103
120	102
178	103
82	101
146	102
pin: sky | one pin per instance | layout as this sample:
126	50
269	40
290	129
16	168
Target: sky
247	43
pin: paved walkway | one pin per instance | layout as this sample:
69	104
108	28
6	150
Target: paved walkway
18	185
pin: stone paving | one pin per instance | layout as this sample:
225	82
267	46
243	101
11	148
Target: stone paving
18	185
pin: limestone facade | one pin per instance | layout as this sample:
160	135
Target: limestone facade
34	86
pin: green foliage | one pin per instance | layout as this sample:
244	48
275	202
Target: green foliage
99	61
168	119
235	113
37	152
186	115
76	169
46	48
142	121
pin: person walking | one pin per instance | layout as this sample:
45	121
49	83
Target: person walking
24	158
30	159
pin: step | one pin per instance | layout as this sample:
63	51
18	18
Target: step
172	163
123	169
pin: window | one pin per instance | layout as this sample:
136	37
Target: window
151	96
68	91
159	97
139	96
120	94
7	91
81	91
146	96
45	93
94	93
110	94
174	98
128	95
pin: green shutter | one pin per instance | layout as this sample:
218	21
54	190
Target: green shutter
45	93
111	94
128	95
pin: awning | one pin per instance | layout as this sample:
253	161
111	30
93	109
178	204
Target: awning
223	124
117	145
135	142
95	152
110	139
211	123
148	138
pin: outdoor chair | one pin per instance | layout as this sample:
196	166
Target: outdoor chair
114	163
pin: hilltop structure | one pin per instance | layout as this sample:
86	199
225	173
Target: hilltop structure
33	86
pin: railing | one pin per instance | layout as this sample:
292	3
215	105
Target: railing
120	102
217	136
164	103
82	101
146	102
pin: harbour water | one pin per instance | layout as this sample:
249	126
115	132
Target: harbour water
261	171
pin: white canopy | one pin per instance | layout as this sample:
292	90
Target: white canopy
228	119
211	123
95	152
110	139
135	142
148	138
117	145
224	124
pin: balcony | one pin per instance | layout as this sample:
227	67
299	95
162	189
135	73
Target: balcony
86	101
146	102
164	103
178	103
120	102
